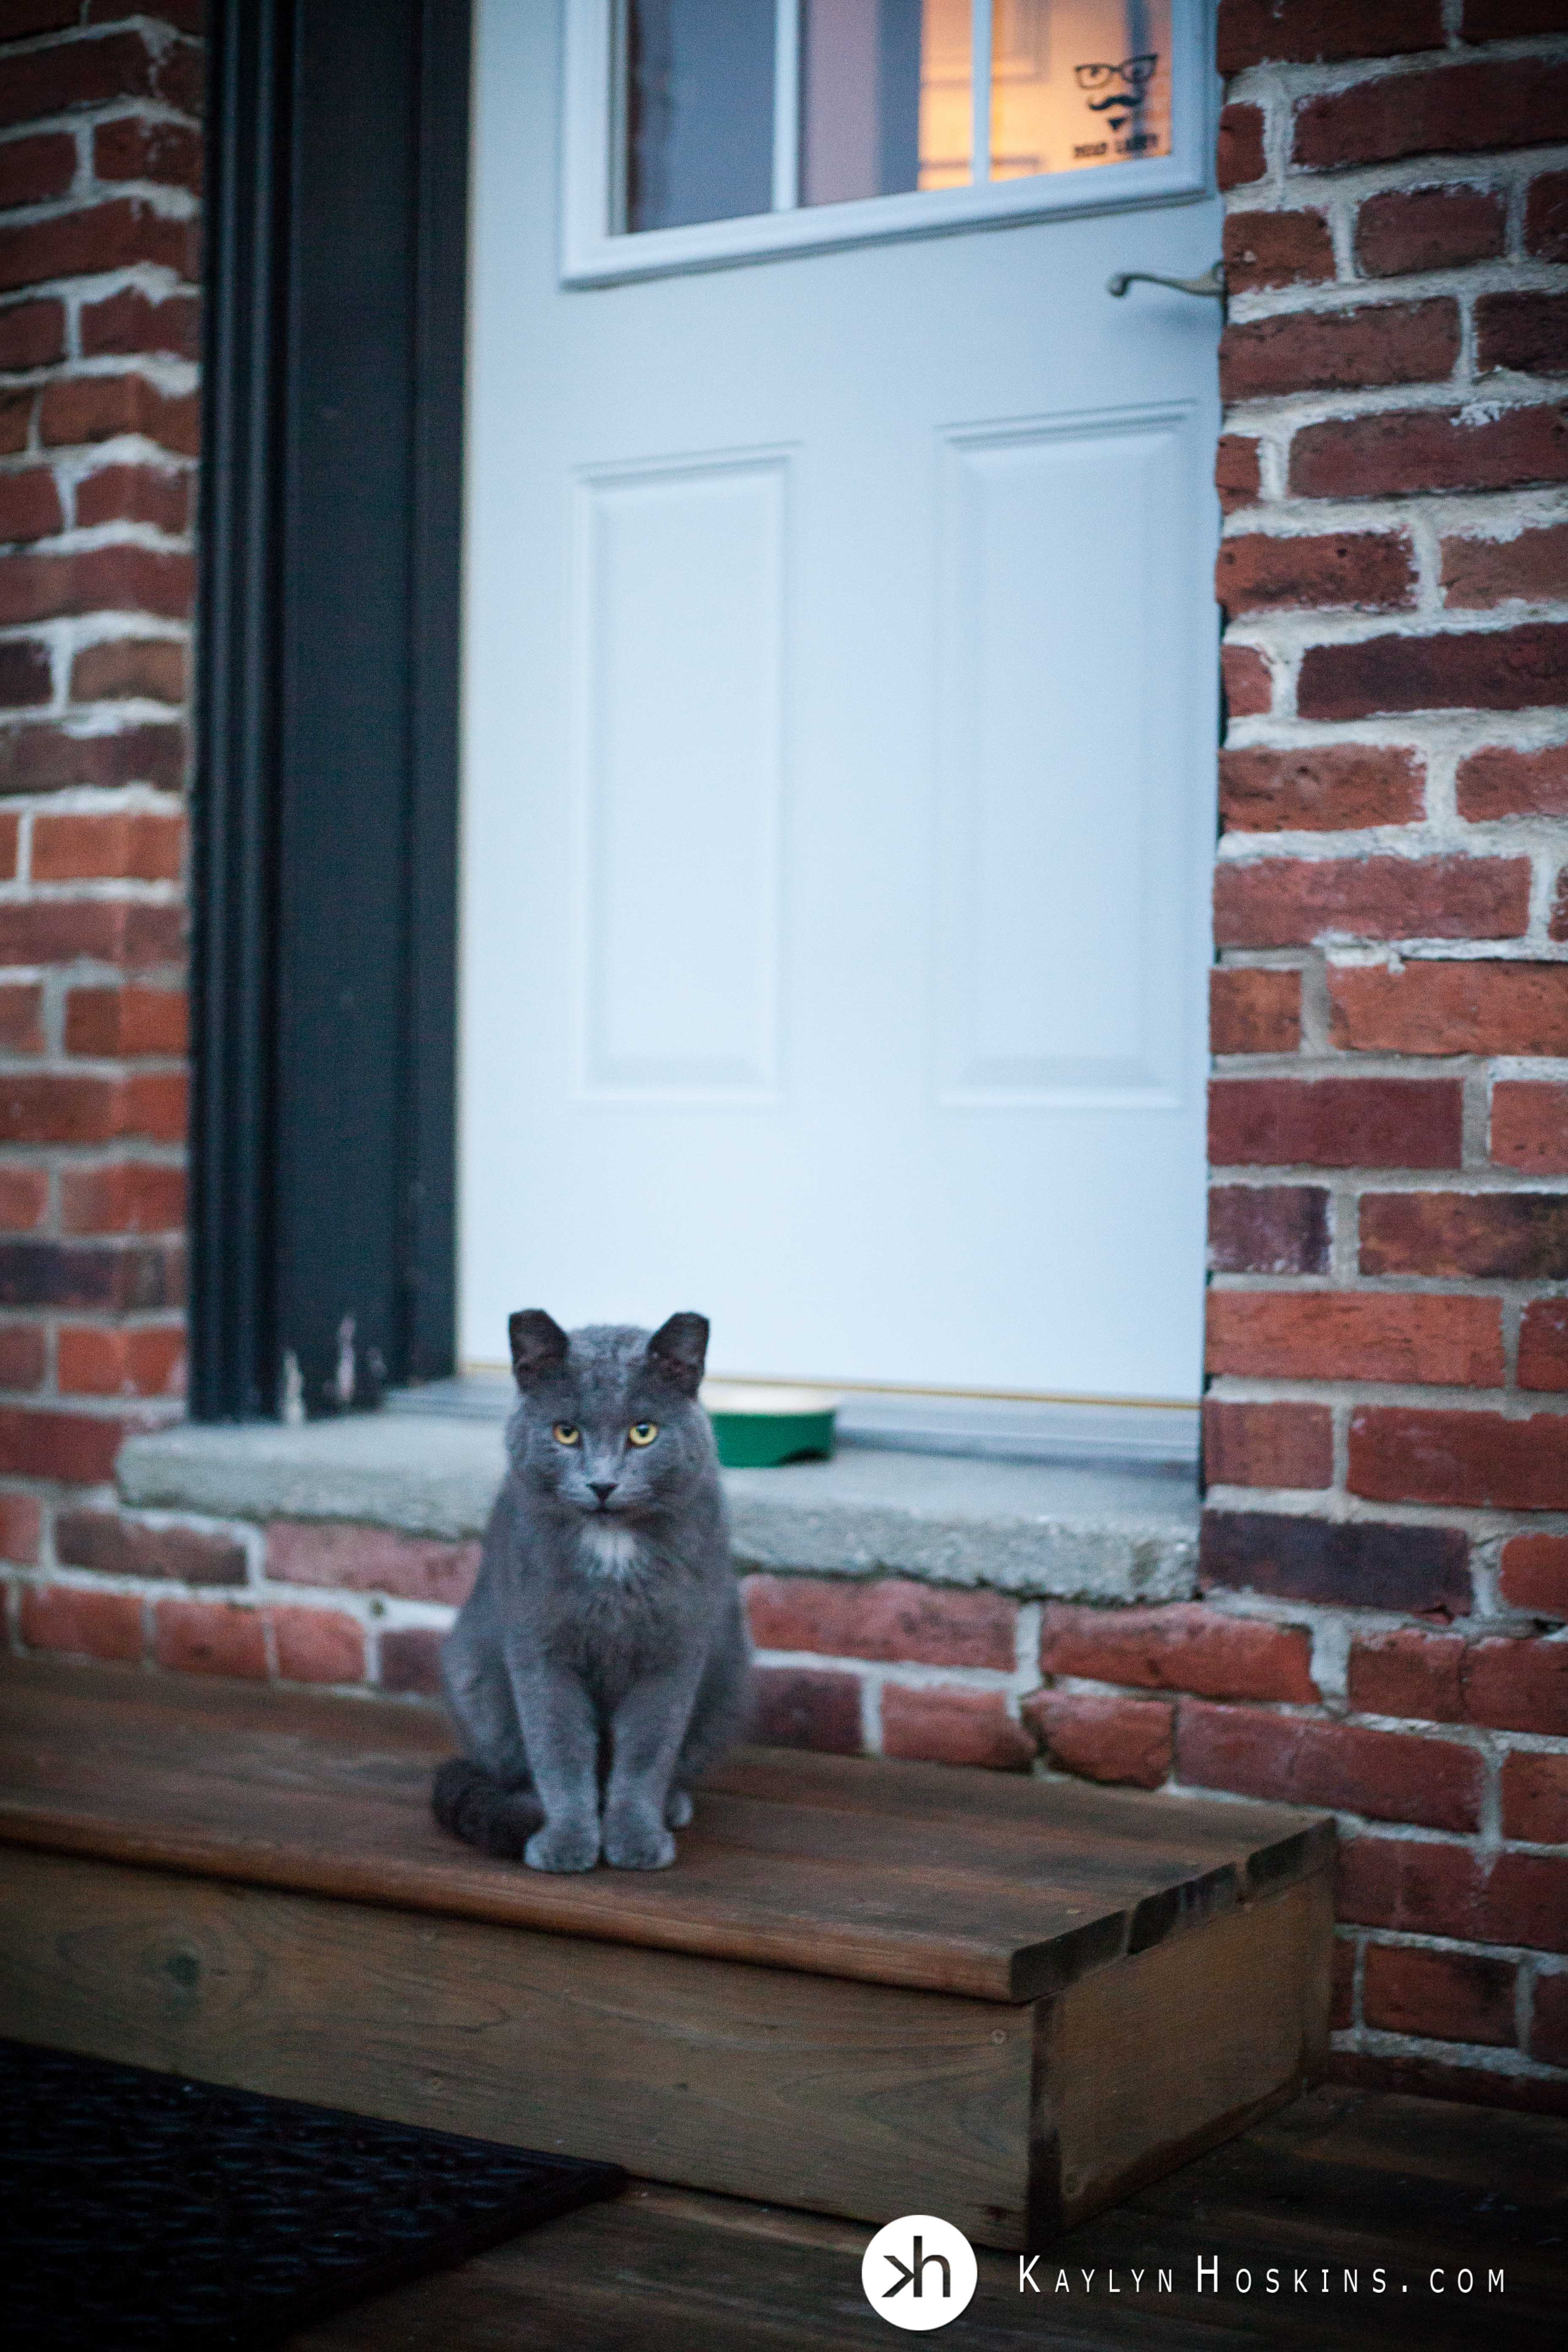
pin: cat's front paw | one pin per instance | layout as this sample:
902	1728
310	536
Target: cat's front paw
563	1845
639	1841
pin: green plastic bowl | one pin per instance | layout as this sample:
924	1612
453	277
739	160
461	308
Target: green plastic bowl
757	1427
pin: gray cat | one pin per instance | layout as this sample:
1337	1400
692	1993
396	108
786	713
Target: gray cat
601	1661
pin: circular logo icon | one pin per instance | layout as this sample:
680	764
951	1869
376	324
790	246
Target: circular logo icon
919	2272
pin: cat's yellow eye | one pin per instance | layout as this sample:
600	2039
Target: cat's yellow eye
643	1433
566	1432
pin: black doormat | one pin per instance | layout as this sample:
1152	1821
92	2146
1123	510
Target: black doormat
140	2211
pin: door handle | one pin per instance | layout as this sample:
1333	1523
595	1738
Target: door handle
1210	287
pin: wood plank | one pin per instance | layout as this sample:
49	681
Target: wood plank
1141	2066
956	1881
854	2097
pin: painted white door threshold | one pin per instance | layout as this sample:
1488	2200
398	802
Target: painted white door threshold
1006	1429
1070	1531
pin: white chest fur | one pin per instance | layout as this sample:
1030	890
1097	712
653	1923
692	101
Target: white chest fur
609	1549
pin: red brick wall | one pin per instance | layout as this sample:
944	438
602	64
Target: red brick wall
1386	1443
99	215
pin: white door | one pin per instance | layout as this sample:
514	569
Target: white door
840	701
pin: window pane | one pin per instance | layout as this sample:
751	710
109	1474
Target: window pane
698	110
885	103
1075	83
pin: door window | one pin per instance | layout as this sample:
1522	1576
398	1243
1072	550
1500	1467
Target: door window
701	132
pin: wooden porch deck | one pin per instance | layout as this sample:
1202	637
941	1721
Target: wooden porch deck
1344	2180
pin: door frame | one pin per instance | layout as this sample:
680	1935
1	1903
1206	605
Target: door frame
324	984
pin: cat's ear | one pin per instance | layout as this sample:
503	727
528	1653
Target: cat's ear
678	1350
539	1345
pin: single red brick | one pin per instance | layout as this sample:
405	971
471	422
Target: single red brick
87	1624
349	1557
1557	928
1267	1229
114	1023
1321	788
1460	110
111	1544
84	408
1236	471
148	669
1530	1128
1469	1006
1247	1444
891	1618
20	1521
29	505
1395	451
117	578
1310	32
77	1447
1239	153
1407	1673
50	1108
34	170
1508	20
1286	902
1532	567
135	494
1335	1123
207	1637
1518	1686
157	1105
949	1726
1415	1885
23	1198
26	679
1247	679
139	1359
1527	330
102	1279
804	1707
132	321
411	1661
1438	1340
1492	669
32	335
132	147
114	235
132	845
1261	572
67	75
1407	230
1304	1760
1543	1343
1343	1563
1535	1797
48	757
1446	1996
127	1196
1549	2022
318	1645
10	842
1254	1012
1416	1454
1276	250
1525	1901
1180	1646
1341	1988
1497	1236
1340	350
22	1355
22	1017
1546	217
1533	1574
1104	1738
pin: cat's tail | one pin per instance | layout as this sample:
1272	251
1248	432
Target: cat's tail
477	1808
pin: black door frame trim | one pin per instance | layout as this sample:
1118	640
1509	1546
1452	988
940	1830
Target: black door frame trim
325	807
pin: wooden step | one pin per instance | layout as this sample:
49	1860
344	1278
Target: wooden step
865	1987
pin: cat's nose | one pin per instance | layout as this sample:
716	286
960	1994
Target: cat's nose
606	1490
